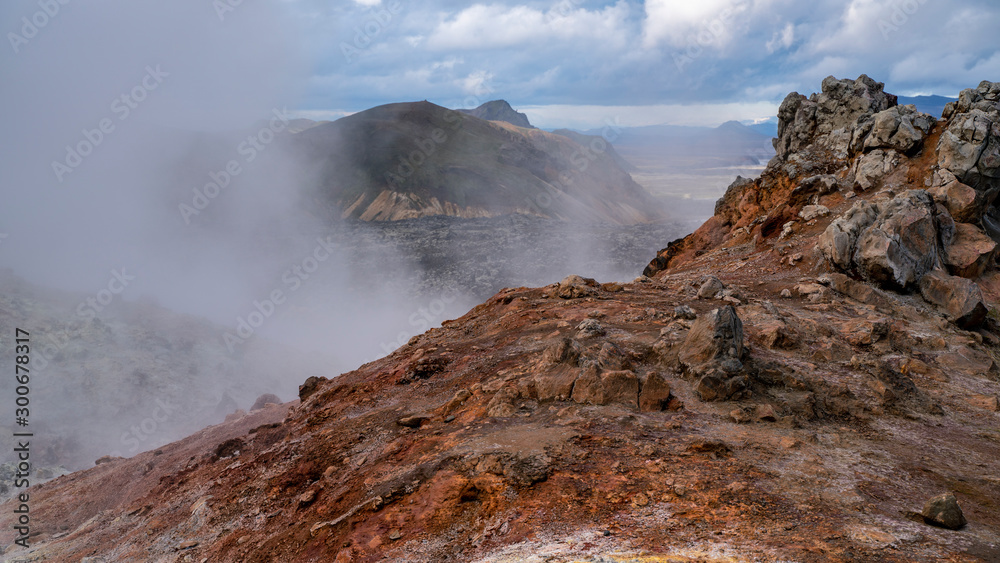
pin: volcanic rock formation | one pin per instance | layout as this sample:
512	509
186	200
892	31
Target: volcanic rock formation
774	389
499	110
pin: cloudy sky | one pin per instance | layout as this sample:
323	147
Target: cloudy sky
576	63
643	62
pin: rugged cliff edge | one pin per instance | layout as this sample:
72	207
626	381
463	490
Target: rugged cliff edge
810	376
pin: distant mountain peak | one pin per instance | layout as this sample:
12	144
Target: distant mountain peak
411	160
500	110
732	125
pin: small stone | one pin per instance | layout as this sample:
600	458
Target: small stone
264	400
986	402
307	498
685	312
739	416
310	386
395	535
654	394
640	500
413	421
789	443
786	229
811	212
806	289
711	287
959	297
766	413
187	545
449	418
590	327
786	293
943	510
575	287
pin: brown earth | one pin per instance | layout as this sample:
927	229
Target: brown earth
833	470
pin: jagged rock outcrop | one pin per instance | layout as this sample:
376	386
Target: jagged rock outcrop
925	189
899	128
829	117
959	297
711	353
970	253
969	150
963	202
896	246
500	110
840	240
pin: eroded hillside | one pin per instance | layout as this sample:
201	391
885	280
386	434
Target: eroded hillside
792	382
409	160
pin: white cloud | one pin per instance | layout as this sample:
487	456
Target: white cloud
625	51
497	26
478	83
782	39
681	22
955	68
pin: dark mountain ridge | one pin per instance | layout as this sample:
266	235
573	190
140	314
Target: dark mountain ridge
408	160
499	110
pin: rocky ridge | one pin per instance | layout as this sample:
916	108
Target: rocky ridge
925	218
759	395
499	110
